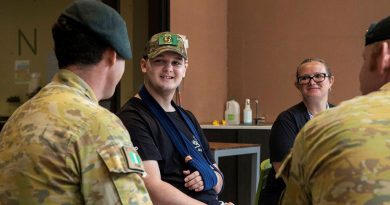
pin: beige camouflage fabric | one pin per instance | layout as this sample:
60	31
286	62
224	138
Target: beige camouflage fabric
61	147
342	156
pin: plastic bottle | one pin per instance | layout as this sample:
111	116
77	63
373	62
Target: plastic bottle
232	113
247	112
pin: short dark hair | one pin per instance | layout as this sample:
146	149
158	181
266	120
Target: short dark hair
307	60
76	44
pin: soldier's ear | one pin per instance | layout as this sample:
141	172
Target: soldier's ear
383	57
110	57
385	53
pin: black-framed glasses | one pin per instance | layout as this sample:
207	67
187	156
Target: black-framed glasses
317	77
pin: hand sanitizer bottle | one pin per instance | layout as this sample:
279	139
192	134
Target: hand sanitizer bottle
247	112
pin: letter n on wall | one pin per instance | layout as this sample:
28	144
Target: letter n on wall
22	36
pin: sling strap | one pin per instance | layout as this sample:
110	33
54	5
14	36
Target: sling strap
199	161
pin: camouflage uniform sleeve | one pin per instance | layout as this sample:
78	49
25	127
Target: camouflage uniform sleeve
126	170
342	155
110	168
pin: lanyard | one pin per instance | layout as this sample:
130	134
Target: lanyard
311	115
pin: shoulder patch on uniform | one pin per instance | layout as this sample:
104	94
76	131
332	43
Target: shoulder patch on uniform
132	157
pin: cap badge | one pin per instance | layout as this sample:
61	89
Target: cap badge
167	39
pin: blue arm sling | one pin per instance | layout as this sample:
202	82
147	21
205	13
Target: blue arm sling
199	161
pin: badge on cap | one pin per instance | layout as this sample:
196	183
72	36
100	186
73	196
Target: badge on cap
167	39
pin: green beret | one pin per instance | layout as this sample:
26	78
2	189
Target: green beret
378	31
104	21
166	41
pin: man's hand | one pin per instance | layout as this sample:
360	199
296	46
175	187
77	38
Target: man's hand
162	192
193	181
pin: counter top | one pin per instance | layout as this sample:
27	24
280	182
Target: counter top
265	126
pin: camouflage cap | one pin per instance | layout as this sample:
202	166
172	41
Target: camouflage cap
378	31
104	21
166	41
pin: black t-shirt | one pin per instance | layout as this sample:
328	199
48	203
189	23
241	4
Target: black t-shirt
283	133
152	143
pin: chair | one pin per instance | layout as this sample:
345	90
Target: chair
265	166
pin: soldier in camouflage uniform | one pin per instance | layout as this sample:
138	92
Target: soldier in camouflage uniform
342	156
61	147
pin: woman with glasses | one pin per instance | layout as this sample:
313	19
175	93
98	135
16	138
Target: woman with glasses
314	81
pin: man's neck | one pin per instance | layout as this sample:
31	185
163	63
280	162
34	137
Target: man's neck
164	100
93	76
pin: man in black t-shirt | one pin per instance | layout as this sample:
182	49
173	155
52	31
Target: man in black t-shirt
176	156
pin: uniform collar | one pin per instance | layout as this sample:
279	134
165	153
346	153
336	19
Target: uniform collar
72	80
386	87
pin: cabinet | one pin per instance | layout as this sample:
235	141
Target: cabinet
236	168
3	120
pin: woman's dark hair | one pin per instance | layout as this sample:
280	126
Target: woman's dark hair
75	44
